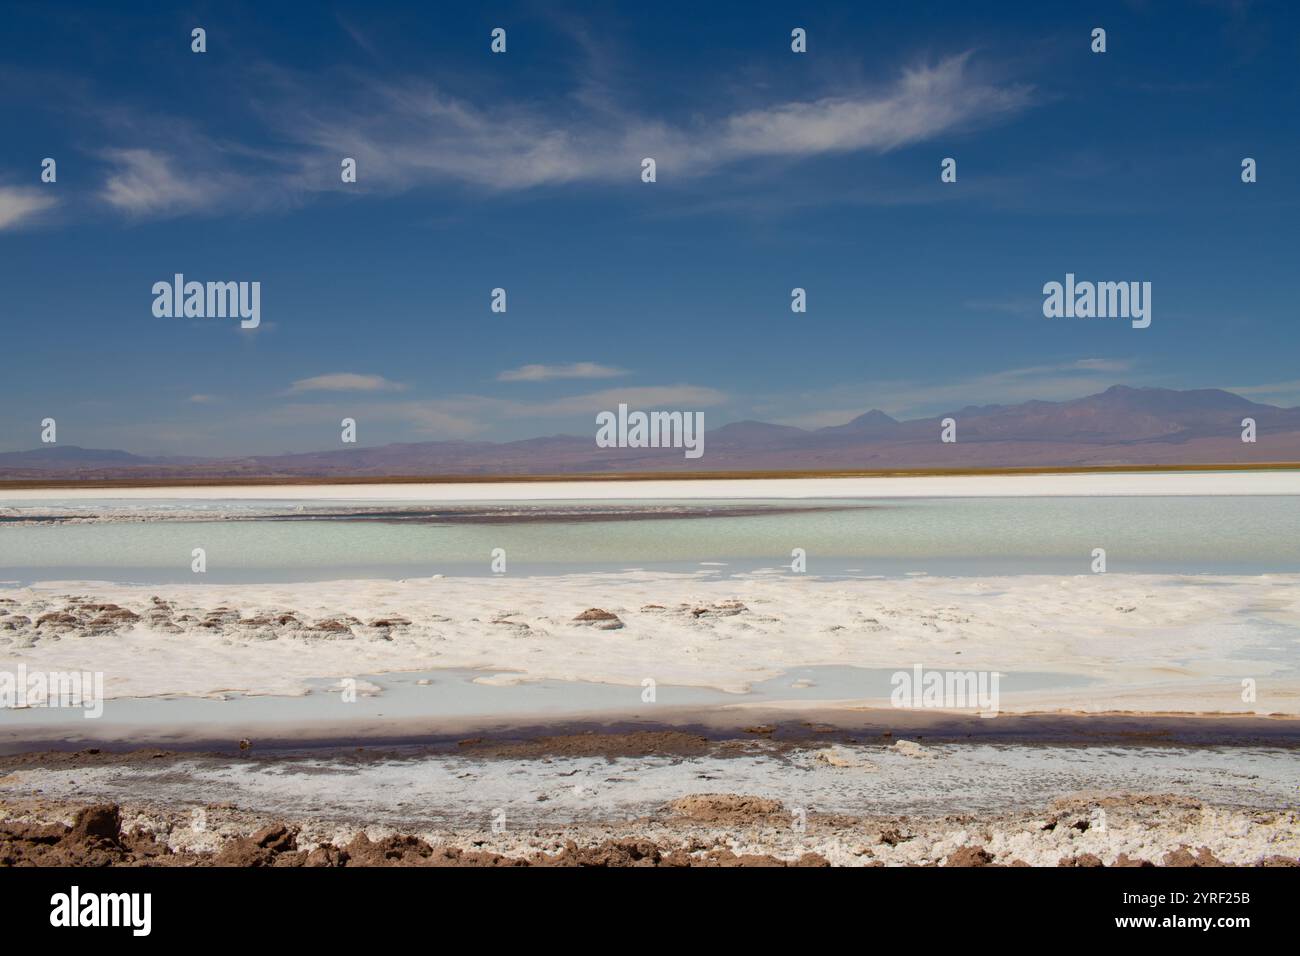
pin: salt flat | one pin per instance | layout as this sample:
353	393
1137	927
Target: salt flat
909	486
1036	805
1163	642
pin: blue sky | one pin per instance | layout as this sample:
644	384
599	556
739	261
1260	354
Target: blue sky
522	171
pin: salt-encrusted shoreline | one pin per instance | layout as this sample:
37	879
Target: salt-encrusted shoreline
706	830
700	830
1155	482
1144	642
655	798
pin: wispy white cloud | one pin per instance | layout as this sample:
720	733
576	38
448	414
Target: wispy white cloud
413	134
925	102
345	382
144	182
19	204
547	373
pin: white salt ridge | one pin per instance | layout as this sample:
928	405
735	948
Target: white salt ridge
1146	642
910	486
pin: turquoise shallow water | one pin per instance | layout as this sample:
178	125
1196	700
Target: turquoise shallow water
882	536
453	693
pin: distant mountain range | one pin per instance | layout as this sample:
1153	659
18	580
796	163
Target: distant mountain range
1120	426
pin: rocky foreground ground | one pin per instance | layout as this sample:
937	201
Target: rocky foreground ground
699	830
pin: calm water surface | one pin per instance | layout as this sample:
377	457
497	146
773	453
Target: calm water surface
841	537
